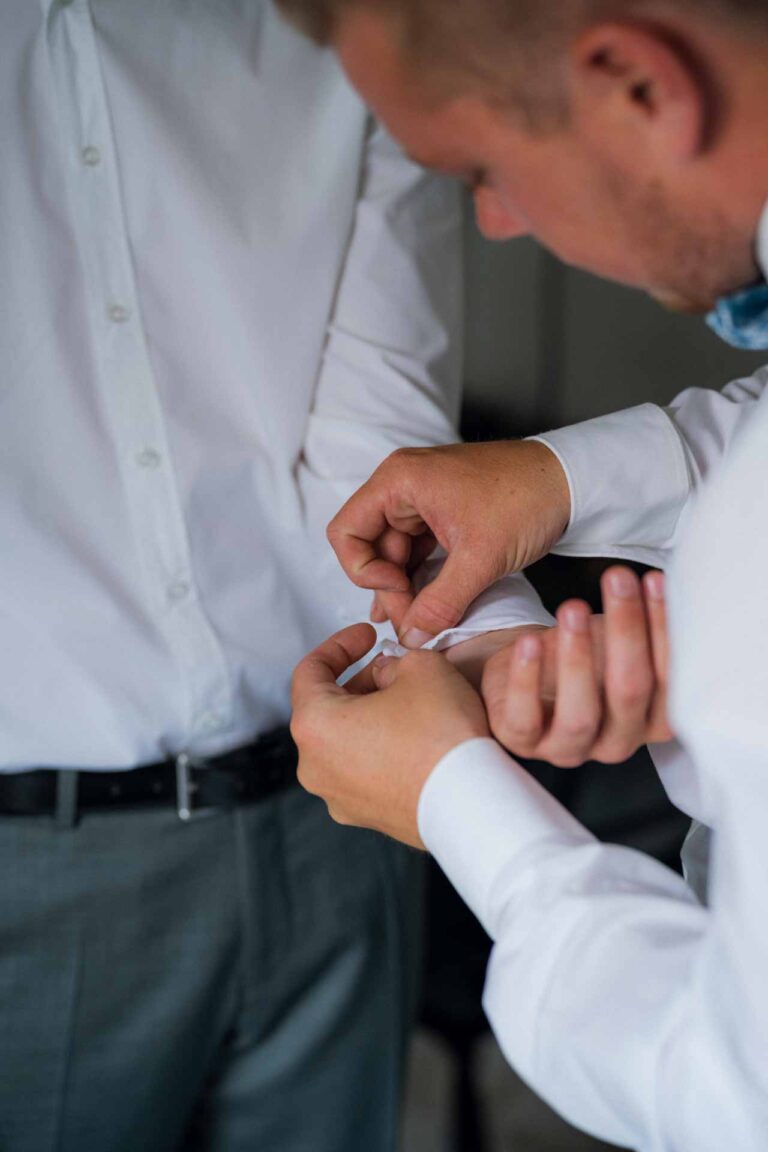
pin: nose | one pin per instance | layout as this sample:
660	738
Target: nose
495	219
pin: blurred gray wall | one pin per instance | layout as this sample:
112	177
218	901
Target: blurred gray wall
547	345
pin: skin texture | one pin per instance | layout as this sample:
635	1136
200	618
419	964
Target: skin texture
656	178
407	508
592	689
650	180
471	657
369	755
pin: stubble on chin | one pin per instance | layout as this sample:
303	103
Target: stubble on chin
690	262
698	267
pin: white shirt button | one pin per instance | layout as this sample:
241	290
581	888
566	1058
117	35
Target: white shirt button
179	590
149	458
118	313
212	721
91	156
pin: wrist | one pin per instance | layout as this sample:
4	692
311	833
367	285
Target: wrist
554	484
471	656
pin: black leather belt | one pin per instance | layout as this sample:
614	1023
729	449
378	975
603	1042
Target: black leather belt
192	785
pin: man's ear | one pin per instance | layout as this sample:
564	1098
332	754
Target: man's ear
636	89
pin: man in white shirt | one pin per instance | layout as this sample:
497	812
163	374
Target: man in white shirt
641	153
227	298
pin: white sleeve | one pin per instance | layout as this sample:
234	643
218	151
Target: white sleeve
631	474
635	1012
391	369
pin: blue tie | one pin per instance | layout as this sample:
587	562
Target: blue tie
742	319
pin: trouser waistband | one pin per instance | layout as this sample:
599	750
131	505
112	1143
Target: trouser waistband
194	786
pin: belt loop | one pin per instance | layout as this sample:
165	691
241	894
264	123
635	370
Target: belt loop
186	789
66	798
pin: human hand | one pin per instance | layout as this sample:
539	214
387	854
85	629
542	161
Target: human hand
468	656
471	656
494	508
591	689
369	756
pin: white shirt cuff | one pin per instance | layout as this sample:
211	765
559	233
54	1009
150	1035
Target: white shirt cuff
629	483
479	813
510	603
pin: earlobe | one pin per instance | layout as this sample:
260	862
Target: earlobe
642	84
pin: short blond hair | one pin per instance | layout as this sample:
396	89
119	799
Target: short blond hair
319	18
509	47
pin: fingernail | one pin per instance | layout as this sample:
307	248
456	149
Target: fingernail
622	584
575	619
415	638
528	649
654	585
381	661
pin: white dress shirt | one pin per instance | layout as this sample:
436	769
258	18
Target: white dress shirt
227	298
637	1013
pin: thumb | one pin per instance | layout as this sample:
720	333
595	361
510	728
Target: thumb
385	671
318	672
444	602
495	679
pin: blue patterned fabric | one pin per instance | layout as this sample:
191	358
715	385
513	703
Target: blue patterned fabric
742	319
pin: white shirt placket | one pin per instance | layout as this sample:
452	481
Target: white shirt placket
126	378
